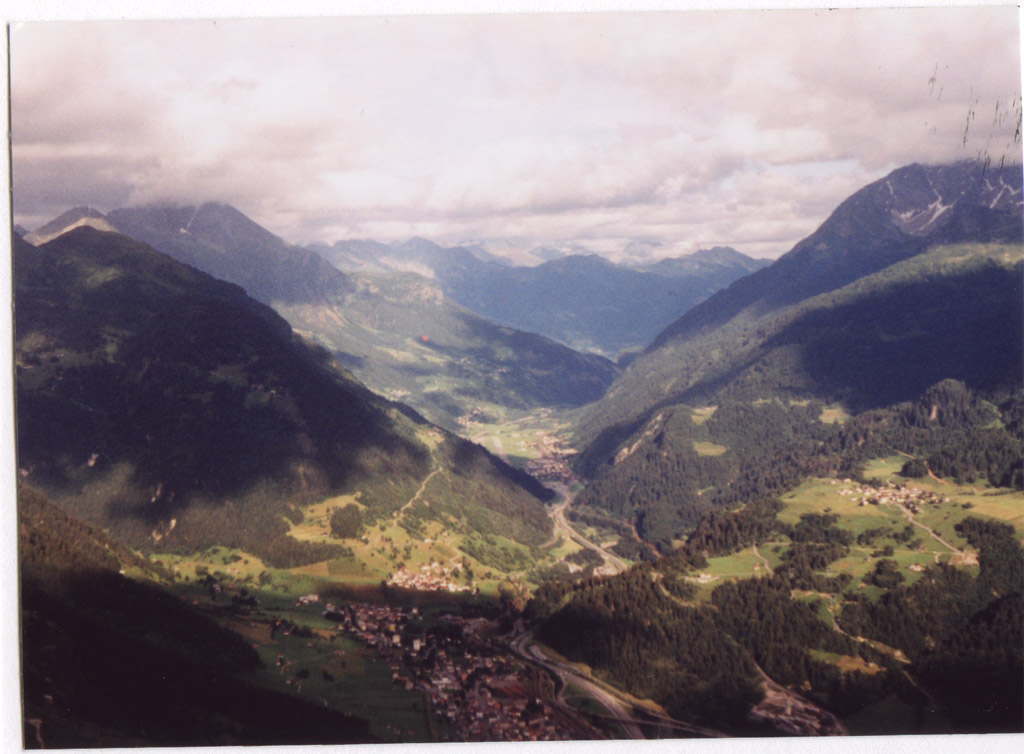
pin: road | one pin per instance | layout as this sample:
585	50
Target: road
612	563
763	559
936	537
419	492
524	646
618	706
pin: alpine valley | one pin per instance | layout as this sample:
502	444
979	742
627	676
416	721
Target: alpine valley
369	492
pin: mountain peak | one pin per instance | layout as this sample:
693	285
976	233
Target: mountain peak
894	218
69	220
224	242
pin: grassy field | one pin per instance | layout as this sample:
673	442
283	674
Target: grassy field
416	536
709	448
701	415
518	436
833	415
740	565
847	663
823	496
351	678
956	503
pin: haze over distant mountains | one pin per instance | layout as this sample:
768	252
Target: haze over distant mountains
582	300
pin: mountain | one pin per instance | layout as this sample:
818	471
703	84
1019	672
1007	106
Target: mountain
400	334
581	300
71	219
358	255
220	240
719	259
892	220
110	660
951	313
179	413
376	324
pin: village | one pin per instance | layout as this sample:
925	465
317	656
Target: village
431	577
890	494
484	694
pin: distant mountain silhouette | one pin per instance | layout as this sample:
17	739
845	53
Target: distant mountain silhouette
220	240
581	300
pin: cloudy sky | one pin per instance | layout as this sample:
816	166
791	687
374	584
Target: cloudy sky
684	129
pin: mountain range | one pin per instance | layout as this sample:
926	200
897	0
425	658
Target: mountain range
803	492
581	300
450	331
398	333
813	427
178	412
892	220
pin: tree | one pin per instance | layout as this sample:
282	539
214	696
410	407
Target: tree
347	521
886	575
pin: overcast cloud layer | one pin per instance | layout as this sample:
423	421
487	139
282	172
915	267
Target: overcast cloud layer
687	129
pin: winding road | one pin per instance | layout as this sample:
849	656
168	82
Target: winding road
612	563
619	707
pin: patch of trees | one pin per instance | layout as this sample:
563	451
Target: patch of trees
999	555
346	521
594	517
628	630
886	575
977	670
631	548
778	631
816	527
963	633
585	557
722	533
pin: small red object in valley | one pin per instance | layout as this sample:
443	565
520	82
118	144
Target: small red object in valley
426	339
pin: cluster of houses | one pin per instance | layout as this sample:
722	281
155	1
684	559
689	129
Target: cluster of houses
550	469
430	577
552	465
482	693
891	494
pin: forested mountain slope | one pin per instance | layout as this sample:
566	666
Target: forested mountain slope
816	566
180	413
905	214
398	333
113	660
953	312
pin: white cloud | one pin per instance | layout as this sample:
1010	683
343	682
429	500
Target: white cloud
742	128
